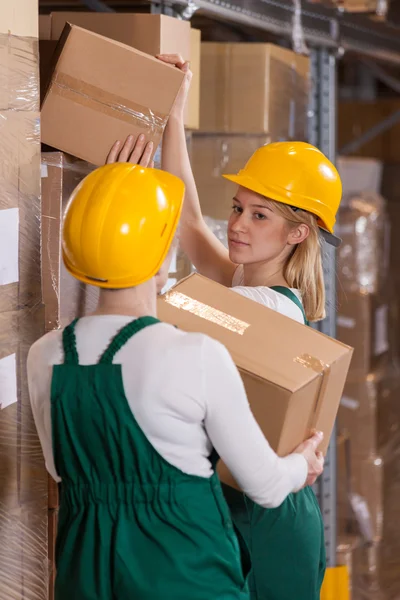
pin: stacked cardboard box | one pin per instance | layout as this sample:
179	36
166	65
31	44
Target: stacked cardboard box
356	117
23	479
279	82
214	155
234	123
369	416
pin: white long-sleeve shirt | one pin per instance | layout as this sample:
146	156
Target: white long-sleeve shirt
186	395
268	297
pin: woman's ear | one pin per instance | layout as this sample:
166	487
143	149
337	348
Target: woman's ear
298	234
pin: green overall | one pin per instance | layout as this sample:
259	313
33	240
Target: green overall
286	543
131	525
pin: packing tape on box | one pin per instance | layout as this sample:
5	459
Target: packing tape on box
108	104
204	311
323	370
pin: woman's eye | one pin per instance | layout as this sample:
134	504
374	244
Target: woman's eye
260	216
236	209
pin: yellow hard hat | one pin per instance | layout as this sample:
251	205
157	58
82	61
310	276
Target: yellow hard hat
119	224
297	174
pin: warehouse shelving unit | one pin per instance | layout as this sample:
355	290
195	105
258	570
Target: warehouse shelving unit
327	35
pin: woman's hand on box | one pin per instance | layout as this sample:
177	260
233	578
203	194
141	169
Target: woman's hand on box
177	61
134	150
315	459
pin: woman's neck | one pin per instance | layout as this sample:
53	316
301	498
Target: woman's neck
264	274
140	301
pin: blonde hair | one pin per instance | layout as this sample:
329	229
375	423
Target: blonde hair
303	269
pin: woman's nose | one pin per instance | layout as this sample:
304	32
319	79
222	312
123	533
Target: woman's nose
239	224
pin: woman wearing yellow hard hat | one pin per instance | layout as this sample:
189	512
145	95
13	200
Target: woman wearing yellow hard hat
287	198
128	411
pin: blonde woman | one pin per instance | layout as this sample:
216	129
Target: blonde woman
287	197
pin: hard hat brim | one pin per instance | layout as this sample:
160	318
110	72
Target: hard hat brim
251	184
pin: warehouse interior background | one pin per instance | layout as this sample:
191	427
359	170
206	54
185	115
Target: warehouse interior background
353	116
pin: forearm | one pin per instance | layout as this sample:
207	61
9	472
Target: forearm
175	160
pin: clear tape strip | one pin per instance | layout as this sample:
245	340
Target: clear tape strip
106	103
204	311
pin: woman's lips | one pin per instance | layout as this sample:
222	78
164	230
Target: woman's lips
237	242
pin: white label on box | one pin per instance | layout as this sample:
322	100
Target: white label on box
43	171
349	403
9	226
381	330
8	381
346	322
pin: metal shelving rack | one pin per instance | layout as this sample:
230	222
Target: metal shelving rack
328	35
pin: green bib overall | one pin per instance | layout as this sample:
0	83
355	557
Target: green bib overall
286	544
131	525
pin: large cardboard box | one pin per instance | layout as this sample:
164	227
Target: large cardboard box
214	155
64	297
192	119
294	376
363	323
357	117
254	88
91	102
152	34
360	174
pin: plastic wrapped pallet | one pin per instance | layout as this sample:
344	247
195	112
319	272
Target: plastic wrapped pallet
23	479
64	297
369	416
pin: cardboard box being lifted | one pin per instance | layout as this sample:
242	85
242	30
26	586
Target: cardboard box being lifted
149	33
293	375
101	91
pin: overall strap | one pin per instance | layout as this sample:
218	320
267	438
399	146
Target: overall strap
121	338
69	344
292	296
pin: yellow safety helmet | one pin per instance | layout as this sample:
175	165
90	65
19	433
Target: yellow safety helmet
119	224
297	174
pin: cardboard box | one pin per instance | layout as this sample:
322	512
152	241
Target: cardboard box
192	119
152	34
292	387
64	297
279	83
360	174
357	117
214	155
363	323
90	101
